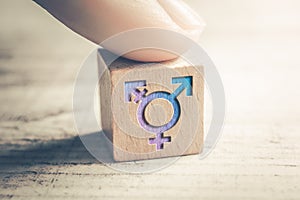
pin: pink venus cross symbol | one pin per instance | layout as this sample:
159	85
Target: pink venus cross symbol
159	141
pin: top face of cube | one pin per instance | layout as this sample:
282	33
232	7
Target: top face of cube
115	63
156	109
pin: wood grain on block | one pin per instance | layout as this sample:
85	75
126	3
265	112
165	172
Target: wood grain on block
151	110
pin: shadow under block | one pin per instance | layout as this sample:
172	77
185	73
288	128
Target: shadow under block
151	110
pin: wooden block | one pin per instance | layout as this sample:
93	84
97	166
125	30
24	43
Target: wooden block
151	110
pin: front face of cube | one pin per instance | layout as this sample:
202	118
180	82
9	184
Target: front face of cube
156	111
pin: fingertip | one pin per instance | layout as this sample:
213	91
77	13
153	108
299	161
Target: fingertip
150	55
182	14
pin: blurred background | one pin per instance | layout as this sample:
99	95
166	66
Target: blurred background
255	46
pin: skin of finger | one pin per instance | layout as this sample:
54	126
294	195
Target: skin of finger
150	55
182	14
100	19
185	17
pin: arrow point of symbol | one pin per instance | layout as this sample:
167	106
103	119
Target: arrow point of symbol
186	83
130	88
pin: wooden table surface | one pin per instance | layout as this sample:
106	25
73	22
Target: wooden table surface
255	45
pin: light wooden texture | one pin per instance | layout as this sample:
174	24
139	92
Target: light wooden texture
120	115
255	45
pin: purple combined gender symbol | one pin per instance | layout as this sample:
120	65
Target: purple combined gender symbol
140	96
158	130
145	102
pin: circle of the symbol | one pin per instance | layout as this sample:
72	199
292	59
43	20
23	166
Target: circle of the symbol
145	102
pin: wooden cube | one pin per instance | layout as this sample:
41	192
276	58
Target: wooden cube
151	110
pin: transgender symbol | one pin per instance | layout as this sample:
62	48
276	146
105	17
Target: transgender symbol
131	89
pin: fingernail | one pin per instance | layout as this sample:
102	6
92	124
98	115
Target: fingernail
182	14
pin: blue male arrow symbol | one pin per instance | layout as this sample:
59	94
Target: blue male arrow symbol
186	83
